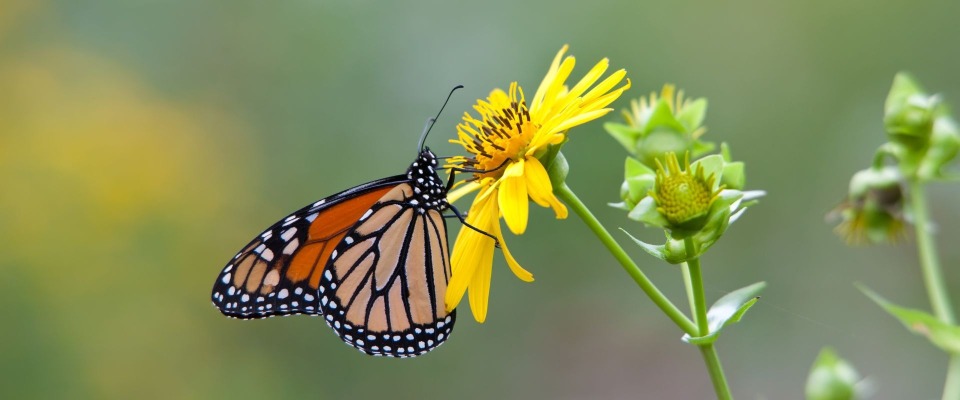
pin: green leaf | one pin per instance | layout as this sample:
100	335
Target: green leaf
728	310
831	378
941	334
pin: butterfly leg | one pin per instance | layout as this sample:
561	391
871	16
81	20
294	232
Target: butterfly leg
456	213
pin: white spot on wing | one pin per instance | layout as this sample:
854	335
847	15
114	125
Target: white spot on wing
287	234
267	255
226	279
283	294
291	247
312	217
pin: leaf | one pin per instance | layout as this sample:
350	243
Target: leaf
728	310
941	334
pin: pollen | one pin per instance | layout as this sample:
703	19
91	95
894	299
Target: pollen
501	135
683	197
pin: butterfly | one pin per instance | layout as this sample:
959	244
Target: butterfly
372	260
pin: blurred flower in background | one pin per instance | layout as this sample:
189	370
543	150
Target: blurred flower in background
110	191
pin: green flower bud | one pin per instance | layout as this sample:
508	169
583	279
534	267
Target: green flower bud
660	125
831	378
683	197
923	137
909	112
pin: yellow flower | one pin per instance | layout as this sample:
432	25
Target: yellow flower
506	142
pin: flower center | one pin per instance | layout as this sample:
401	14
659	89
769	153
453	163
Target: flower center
502	136
682	196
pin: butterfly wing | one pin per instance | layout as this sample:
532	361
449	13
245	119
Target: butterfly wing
278	272
373	260
383	289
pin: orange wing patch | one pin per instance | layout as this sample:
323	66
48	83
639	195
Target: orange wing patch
325	233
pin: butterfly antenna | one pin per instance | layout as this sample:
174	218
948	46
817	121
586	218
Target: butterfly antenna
431	121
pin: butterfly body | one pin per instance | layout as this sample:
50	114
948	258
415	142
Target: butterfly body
372	260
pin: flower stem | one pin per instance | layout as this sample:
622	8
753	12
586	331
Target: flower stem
932	275
709	352
688	285
716	372
563	191
933	279
696	283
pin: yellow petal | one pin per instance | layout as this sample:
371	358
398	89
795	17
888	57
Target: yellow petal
558	208
541	190
539	110
549	78
480	285
463	269
581	119
463	191
538	182
515	267
469	251
605	86
513	198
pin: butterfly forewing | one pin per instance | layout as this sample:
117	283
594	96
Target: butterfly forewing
279	271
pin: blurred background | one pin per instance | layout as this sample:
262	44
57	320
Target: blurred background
143	142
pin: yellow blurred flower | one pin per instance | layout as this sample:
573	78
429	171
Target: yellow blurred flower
506	142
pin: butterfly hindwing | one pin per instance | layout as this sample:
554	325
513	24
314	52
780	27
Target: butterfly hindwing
384	287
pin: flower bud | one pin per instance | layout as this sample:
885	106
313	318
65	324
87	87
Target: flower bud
831	378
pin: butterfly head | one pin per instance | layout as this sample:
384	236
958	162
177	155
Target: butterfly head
429	190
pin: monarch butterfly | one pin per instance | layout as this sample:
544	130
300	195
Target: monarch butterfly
372	260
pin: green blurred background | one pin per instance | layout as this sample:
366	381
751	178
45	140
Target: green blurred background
143	142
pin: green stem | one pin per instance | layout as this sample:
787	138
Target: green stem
688	284
709	352
716	372
932	275
933	279
563	191
696	282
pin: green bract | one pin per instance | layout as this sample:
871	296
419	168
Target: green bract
831	378
923	136
668	123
